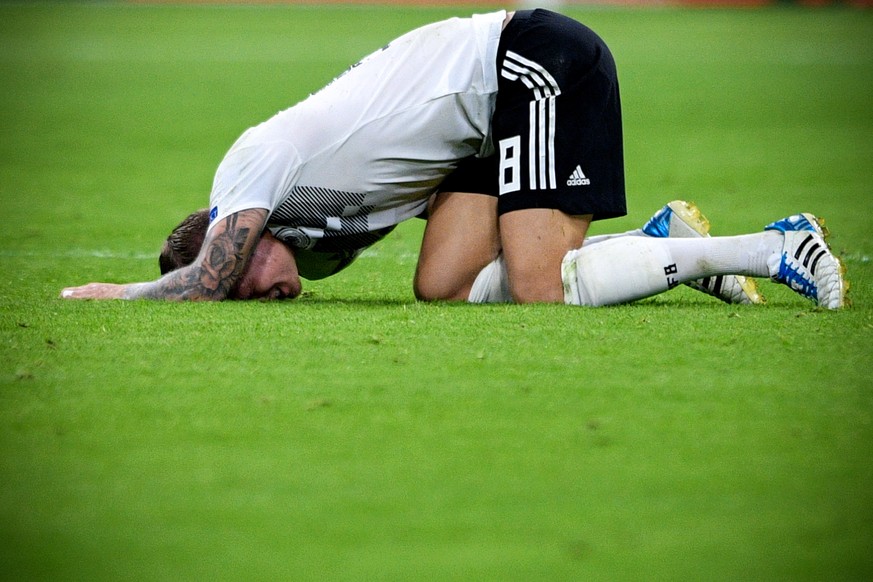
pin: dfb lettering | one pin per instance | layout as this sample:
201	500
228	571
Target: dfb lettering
671	270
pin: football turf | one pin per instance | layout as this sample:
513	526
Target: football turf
355	434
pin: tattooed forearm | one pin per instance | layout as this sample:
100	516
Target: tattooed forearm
224	260
218	268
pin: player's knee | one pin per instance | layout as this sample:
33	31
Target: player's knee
424	292
428	288
527	289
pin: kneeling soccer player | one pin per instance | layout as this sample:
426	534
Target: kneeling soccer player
528	102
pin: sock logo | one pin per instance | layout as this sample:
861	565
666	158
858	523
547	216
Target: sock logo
578	178
671	270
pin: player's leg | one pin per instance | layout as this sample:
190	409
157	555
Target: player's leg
459	241
680	219
631	268
535	241
792	251
677	219
557	132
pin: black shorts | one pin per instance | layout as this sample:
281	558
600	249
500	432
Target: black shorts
557	122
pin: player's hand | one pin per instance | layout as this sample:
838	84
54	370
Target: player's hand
95	291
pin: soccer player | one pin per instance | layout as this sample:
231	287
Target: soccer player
522	112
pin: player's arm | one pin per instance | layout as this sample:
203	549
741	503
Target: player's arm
211	277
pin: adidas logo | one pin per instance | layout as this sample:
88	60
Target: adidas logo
809	254
578	178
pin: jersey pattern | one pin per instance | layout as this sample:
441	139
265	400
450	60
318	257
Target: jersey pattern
322	219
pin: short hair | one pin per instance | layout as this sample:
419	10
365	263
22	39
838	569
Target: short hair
183	244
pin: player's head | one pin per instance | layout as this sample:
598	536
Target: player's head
183	244
271	272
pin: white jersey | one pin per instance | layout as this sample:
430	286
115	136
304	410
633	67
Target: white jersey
344	166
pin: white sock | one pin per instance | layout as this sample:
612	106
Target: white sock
628	268
491	284
724	255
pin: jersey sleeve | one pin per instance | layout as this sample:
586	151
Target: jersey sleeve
253	174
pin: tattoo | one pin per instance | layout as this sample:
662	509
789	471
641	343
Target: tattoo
218	268
224	260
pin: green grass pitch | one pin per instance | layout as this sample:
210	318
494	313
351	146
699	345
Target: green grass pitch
355	434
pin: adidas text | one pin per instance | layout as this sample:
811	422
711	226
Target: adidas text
578	178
